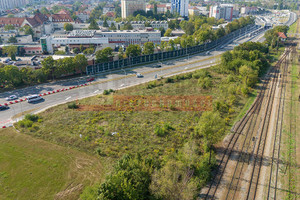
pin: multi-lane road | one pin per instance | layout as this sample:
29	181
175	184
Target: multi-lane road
114	80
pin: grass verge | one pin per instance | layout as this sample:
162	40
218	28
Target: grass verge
34	169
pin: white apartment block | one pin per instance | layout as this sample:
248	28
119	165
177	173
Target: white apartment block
129	6
224	11
10	4
100	38
181	7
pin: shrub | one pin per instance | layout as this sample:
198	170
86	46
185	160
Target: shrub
31	117
201	74
162	131
106	92
169	80
25	123
72	105
205	83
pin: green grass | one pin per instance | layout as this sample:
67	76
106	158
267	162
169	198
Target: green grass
135	131
293	28
34	169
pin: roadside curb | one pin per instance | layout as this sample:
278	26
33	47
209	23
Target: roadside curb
46	93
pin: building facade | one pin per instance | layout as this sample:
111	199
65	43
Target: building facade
181	7
129	6
100	38
9	4
221	12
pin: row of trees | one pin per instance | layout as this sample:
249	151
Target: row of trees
12	76
271	35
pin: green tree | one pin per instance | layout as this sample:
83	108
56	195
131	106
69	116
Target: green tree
105	24
168	32
89	51
10	15
162	31
104	55
68	27
113	26
12	39
45	11
148	48
13	75
10	51
9	27
133	50
48	66
174	181
130	179
80	62
212	128
93	25
121	53
76	50
28	31
127	26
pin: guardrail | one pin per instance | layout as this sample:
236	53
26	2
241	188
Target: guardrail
157	57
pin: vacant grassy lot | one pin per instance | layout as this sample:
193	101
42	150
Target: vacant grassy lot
34	169
113	133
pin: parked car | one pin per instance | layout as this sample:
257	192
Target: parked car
11	97
207	53
157	66
34	98
19	59
3	107
90	79
139	75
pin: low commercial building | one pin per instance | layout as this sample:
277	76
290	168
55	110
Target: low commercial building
100	39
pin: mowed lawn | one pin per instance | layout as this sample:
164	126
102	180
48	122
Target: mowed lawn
31	168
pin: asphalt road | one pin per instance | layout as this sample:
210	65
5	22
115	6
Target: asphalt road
114	80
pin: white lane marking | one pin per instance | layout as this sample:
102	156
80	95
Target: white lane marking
68	98
96	91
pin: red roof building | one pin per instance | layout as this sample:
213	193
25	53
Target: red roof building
60	18
282	35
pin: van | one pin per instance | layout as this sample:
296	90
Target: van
34	98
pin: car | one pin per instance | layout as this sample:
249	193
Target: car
90	79
3	107
19	59
11	97
157	66
222	47
207	53
139	75
34	98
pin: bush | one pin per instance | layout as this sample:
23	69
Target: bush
205	83
169	80
107	92
31	117
25	123
72	105
162	131
201	74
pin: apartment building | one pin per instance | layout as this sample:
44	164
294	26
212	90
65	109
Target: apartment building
223	11
181	7
129	6
10	4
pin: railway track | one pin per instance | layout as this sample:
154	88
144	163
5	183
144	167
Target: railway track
247	126
275	164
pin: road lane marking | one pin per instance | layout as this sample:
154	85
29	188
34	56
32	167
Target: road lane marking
68	98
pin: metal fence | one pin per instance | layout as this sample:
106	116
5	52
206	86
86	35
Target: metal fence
158	57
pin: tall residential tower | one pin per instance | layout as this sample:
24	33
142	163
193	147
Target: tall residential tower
129	6
181	7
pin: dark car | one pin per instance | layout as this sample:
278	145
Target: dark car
3	107
157	66
90	79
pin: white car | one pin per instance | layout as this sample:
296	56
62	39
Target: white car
207	53
11	97
138	75
34	98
